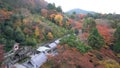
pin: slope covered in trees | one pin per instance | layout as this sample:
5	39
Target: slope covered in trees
91	42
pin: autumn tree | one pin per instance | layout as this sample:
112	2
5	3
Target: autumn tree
116	46
68	24
105	32
95	40
58	19
50	35
110	63
37	32
44	12
69	58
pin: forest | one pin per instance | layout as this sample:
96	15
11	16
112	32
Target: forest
94	40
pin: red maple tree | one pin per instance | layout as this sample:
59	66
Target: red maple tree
105	32
70	58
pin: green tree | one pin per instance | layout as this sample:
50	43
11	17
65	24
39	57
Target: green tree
59	9
70	40
19	35
8	31
30	41
51	6
116	46
117	34
8	23
9	45
2	40
89	24
95	40
74	13
73	41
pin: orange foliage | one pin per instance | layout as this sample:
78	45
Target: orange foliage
67	24
105	32
58	18
4	14
52	16
78	25
82	15
70	20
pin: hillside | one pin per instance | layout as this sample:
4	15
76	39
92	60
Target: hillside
25	3
79	11
20	21
81	40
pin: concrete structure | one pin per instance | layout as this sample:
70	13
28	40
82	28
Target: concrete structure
40	58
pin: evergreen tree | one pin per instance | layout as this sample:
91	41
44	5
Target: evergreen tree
30	41
95	40
8	31
117	34
19	35
51	6
116	46
59	9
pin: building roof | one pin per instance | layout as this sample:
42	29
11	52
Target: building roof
52	45
57	41
39	59
43	48
18	66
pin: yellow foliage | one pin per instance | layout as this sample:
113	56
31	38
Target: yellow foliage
37	32
25	20
67	23
110	63
17	23
58	18
50	36
46	65
118	55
